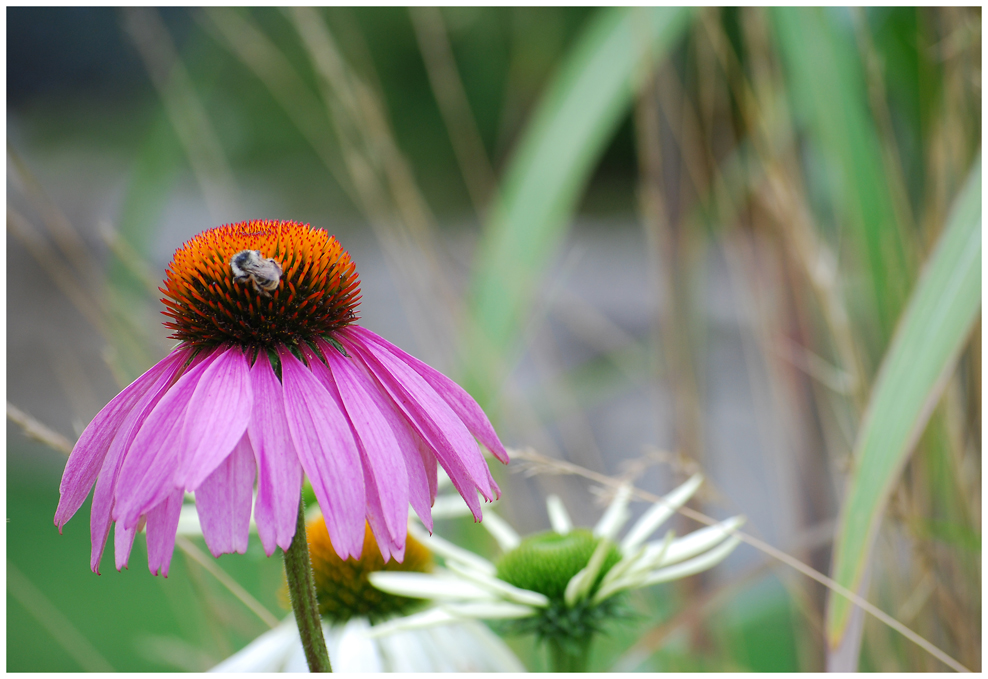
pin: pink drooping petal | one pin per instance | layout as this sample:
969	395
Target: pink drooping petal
455	396
383	463
216	418
449	439
148	473
100	521
90	450
223	501
386	543
420	463
162	525
325	446
279	474
431	465
123	542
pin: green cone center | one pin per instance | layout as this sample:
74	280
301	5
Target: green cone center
545	562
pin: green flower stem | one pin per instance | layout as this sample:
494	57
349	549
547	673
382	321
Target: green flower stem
302	589
570	655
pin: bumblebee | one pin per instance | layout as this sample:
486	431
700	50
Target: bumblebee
264	274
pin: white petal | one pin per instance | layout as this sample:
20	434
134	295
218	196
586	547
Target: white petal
296	663
630	570
448	506
579	585
188	521
700	563
428	618
500	587
615	516
658	513
699	541
428	586
491	609
558	516
573	587
507	538
412	650
474	648
353	650
649	557
449	551
267	653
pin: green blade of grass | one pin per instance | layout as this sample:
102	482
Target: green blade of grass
930	335
579	113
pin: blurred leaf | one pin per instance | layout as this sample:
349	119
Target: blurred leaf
827	84
928	339
569	131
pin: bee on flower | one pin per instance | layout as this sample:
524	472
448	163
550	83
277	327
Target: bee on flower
263	274
563	584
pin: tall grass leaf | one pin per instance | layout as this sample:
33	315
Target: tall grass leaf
928	339
579	113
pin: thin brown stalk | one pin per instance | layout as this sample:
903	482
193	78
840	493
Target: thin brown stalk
262	57
54	621
131	259
185	111
64	235
89	306
575	431
92	307
209	565
38	431
440	65
818	263
396	210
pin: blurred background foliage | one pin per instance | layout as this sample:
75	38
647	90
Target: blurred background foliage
647	240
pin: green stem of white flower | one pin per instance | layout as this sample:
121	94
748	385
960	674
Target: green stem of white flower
302	590
569	657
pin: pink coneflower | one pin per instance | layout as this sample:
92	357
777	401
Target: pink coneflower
271	379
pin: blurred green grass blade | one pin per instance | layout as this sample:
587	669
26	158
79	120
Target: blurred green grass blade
578	115
928	339
828	87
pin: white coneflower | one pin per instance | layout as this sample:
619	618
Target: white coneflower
561	584
350	607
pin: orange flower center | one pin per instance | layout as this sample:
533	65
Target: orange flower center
343	587
260	284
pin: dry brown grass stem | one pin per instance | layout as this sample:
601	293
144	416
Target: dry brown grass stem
666	248
397	212
61	629
38	431
440	66
130	258
185	111
209	565
62	275
541	464
785	201
262	57
62	232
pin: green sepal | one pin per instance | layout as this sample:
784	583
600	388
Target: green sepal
336	344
